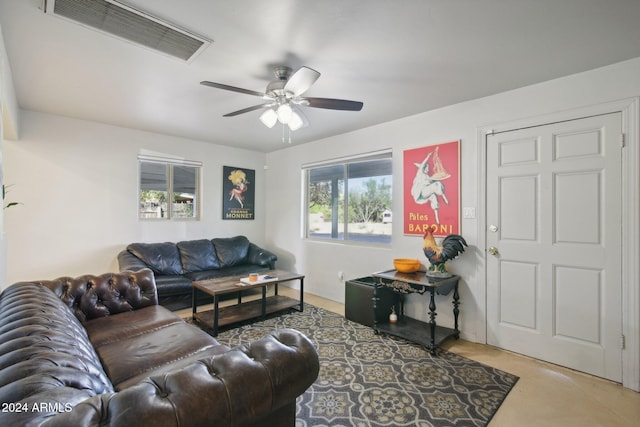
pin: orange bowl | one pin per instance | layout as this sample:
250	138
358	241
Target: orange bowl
406	265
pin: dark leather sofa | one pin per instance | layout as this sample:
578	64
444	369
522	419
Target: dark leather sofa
176	265
99	351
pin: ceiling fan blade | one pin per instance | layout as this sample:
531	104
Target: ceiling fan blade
248	109
301	81
232	88
333	104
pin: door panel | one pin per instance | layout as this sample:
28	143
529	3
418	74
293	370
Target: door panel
571	204
577	318
519	201
518	290
554	215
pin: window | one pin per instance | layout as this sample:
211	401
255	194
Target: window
169	189
350	200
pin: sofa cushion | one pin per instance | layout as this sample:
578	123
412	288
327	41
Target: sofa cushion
198	255
172	285
135	357
161	370
162	258
104	330
231	250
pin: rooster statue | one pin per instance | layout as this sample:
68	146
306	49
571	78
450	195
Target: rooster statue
452	246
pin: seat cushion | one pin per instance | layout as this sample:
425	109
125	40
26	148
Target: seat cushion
172	285
108	329
173	366
134	357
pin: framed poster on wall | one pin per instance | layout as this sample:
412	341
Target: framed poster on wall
238	193
431	189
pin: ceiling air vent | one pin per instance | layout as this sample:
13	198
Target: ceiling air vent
130	24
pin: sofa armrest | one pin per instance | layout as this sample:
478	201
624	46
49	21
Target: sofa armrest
259	256
129	262
240	387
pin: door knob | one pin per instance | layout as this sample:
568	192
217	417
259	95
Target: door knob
493	250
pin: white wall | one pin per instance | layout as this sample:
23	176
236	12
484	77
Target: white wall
10	111
77	181
321	262
9	119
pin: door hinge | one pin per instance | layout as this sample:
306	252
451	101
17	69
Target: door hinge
622	140
622	342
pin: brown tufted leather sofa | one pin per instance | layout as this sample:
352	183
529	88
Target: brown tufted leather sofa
100	351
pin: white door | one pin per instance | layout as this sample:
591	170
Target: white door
554	246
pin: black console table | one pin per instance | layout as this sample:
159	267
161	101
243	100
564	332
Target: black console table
428	333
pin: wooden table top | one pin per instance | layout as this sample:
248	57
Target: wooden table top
225	285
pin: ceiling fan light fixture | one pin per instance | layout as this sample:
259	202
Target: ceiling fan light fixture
296	121
269	118
283	98
285	113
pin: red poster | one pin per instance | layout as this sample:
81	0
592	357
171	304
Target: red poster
432	189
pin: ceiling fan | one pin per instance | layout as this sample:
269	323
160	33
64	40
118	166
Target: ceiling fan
283	97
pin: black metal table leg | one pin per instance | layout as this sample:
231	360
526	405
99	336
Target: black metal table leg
374	303
456	310
432	321
216	312
193	303
302	294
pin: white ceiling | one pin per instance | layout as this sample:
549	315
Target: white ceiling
398	57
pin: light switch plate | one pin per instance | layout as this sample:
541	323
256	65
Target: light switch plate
469	213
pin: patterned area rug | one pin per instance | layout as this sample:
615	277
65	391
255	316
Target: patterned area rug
375	380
